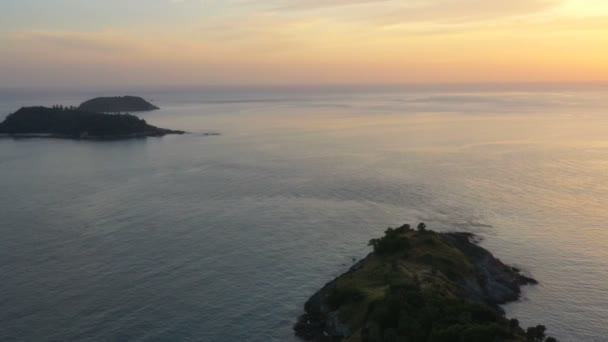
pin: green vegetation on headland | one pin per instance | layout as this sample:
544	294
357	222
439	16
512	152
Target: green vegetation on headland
118	104
420	286
72	123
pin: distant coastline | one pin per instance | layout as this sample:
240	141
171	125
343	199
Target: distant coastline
81	137
71	123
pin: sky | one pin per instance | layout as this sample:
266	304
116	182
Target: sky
226	42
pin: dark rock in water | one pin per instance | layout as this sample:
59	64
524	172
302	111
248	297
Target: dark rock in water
70	123
119	104
417	286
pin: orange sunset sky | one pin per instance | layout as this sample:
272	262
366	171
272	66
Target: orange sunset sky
173	42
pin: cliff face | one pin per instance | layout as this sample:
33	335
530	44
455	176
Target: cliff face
418	286
60	122
117	104
495	283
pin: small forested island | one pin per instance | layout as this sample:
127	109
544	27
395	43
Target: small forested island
118	104
420	286
73	123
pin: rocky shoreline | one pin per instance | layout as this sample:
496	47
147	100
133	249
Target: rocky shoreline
478	278
497	282
320	322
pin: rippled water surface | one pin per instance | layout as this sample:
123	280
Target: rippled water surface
194	238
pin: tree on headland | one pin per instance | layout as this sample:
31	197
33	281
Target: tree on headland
422	227
405	228
537	334
514	323
392	242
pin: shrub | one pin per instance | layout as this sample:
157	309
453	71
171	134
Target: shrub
341	296
391	243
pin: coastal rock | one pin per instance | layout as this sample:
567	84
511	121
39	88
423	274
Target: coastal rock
320	322
496	283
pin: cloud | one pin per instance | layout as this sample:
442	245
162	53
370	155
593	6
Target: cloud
294	41
399	11
93	42
316	4
463	10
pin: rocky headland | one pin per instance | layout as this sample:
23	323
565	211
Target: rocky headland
420	285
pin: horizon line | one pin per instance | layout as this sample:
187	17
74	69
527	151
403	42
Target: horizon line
304	85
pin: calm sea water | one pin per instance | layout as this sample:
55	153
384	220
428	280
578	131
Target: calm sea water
194	238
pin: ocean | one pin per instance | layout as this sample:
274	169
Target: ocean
223	238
